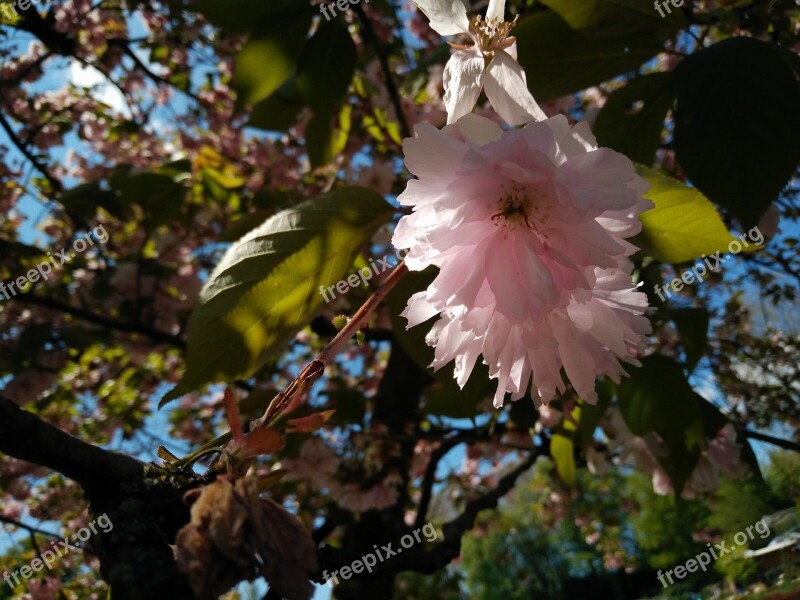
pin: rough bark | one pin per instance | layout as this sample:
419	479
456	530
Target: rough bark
143	502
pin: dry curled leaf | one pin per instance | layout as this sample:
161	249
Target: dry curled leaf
234	534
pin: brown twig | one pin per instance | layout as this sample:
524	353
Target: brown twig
288	399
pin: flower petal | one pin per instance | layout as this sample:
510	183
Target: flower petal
463	78
507	90
479	130
496	10
447	17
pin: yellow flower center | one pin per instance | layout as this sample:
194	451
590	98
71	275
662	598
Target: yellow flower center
491	35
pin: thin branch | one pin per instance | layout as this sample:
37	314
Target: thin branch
97	319
763	437
157	79
418	559
28	528
23	148
430	478
391	86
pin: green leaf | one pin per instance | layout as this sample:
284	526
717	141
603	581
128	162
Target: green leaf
350	405
684	225
632	119
562	449
266	287
280	111
324	140
82	202
326	67
559	60
658	398
268	60
737	124
604	18
692	324
248	16
160	195
676	17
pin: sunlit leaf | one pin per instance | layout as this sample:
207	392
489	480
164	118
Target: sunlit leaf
562	449
266	287
683	225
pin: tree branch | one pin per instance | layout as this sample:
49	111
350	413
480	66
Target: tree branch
144	503
391	86
29	438
153	334
417	558
430	478
763	437
23	148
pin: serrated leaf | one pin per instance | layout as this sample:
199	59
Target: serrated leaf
737	124
266	287
559	60
632	119
684	224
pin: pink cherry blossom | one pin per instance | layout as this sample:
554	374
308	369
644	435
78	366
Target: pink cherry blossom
527	228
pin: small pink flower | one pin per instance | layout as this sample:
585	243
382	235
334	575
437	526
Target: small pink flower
527	228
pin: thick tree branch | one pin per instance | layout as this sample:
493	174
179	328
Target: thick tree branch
144	503
449	549
25	436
